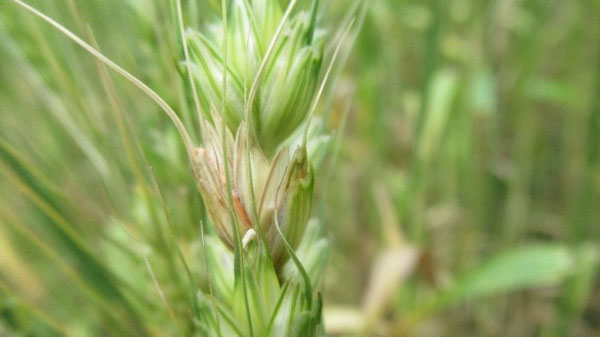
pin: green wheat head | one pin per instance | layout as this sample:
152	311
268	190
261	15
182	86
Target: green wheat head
256	182
254	76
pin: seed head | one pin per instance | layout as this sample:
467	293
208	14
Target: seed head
261	193
290	75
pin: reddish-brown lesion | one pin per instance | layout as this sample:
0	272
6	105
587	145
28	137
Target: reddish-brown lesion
240	210
218	177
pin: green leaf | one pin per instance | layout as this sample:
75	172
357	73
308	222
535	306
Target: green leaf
538	265
527	267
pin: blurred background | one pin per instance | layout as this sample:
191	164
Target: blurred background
461	194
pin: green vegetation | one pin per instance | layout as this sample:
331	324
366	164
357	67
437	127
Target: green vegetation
450	169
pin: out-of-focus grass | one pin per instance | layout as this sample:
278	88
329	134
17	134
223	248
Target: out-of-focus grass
86	226
480	123
462	198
